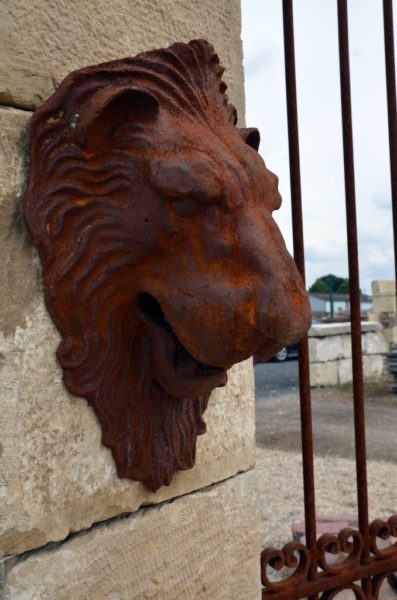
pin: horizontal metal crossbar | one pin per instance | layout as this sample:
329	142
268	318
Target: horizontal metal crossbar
326	582
340	561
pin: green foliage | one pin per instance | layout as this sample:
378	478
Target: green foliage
320	286
323	285
343	287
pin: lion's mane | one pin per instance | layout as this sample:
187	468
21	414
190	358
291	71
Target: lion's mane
75	207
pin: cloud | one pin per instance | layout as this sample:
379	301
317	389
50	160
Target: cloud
263	59
382	201
322	253
321	149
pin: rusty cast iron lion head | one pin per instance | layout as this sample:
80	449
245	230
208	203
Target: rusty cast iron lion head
163	266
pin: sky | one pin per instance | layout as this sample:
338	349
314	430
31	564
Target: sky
321	151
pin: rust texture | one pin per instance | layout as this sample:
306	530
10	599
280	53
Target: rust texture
333	576
152	214
299	255
354	285
391	111
330	564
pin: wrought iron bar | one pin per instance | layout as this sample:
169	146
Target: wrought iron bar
354	284
299	255
357	554
391	112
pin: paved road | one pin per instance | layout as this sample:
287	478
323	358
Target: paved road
278	416
273	379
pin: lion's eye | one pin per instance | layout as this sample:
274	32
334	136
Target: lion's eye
187	178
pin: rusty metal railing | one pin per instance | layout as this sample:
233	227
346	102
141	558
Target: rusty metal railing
364	559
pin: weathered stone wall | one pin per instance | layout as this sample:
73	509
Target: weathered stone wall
331	356
41	41
56	478
197	547
384	308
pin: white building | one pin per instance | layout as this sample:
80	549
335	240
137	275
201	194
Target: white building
321	303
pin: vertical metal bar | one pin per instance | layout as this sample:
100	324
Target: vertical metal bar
391	112
299	254
355	312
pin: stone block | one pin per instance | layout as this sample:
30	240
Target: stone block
384	301
345	373
346	346
384	304
66	35
328	329
340	371
370	326
374	342
329	348
202	546
390	336
18	271
381	287
323	373
373	366
56	477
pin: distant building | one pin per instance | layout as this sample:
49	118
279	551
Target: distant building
321	304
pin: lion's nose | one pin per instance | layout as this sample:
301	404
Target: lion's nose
284	313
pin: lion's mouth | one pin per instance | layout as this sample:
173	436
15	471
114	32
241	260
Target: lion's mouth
176	367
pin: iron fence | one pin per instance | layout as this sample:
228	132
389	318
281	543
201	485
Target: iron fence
367	563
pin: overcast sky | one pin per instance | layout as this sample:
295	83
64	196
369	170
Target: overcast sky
316	49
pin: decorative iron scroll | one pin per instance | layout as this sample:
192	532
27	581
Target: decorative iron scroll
294	556
162	264
347	569
348	541
383	530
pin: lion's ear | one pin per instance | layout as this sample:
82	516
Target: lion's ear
250	136
111	107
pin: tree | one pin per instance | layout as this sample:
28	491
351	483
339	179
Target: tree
330	283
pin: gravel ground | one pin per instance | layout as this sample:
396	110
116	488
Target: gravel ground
279	481
279	460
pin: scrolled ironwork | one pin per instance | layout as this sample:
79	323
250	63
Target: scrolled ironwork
356	589
294	556
349	541
378	581
384	530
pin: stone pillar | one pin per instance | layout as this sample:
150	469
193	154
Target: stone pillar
331	354
384	308
83	532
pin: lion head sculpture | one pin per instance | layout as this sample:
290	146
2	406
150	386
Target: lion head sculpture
163	266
